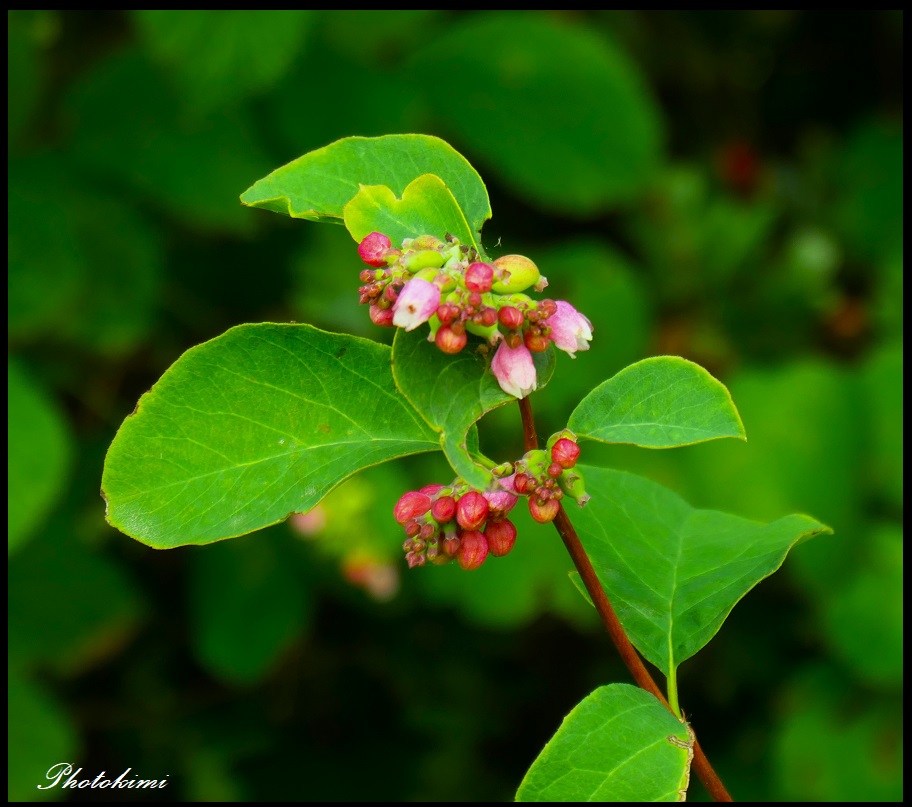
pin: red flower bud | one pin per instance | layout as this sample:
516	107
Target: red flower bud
447	312
472	510
521	483
555	470
412	528
535	341
381	316
431	490
372	249
451	546
411	505
513	340
501	537
449	341
443	509
565	452
414	560
543	510
473	549
510	317
478	277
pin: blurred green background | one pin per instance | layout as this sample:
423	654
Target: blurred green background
722	186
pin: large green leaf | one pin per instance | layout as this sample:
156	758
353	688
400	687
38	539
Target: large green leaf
661	402
556	109
38	458
318	185
426	208
219	56
672	572
618	744
452	392
249	427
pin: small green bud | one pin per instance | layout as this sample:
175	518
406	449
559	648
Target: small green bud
537	461
572	484
489	333
420	259
514	273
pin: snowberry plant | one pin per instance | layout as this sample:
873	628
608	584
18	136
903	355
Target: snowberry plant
265	420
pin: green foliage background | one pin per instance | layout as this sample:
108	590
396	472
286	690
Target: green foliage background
725	186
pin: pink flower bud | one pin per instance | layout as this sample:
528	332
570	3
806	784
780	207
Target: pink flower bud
444	509
473	549
479	276
471	510
411	505
451	545
565	452
543	510
431	490
416	304
514	370
372	249
501	537
510	317
570	330
500	502
555	470
450	340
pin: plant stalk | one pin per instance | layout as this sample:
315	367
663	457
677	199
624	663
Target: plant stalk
609	618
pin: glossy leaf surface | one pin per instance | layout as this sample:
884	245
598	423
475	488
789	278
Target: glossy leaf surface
672	572
318	185
249	427
618	744
661	402
426	208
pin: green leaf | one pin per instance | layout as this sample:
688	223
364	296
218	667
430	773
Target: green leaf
426	208
452	392
618	744
672	572
249	427
661	402
247	606
555	108
219	56
318	185
38	456
580	586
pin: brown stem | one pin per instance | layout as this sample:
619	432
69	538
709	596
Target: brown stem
629	655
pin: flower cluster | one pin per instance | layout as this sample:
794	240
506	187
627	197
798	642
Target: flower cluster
446	523
456	522
448	286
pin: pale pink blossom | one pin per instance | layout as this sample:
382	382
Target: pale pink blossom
416	303
570	330
514	370
500	502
